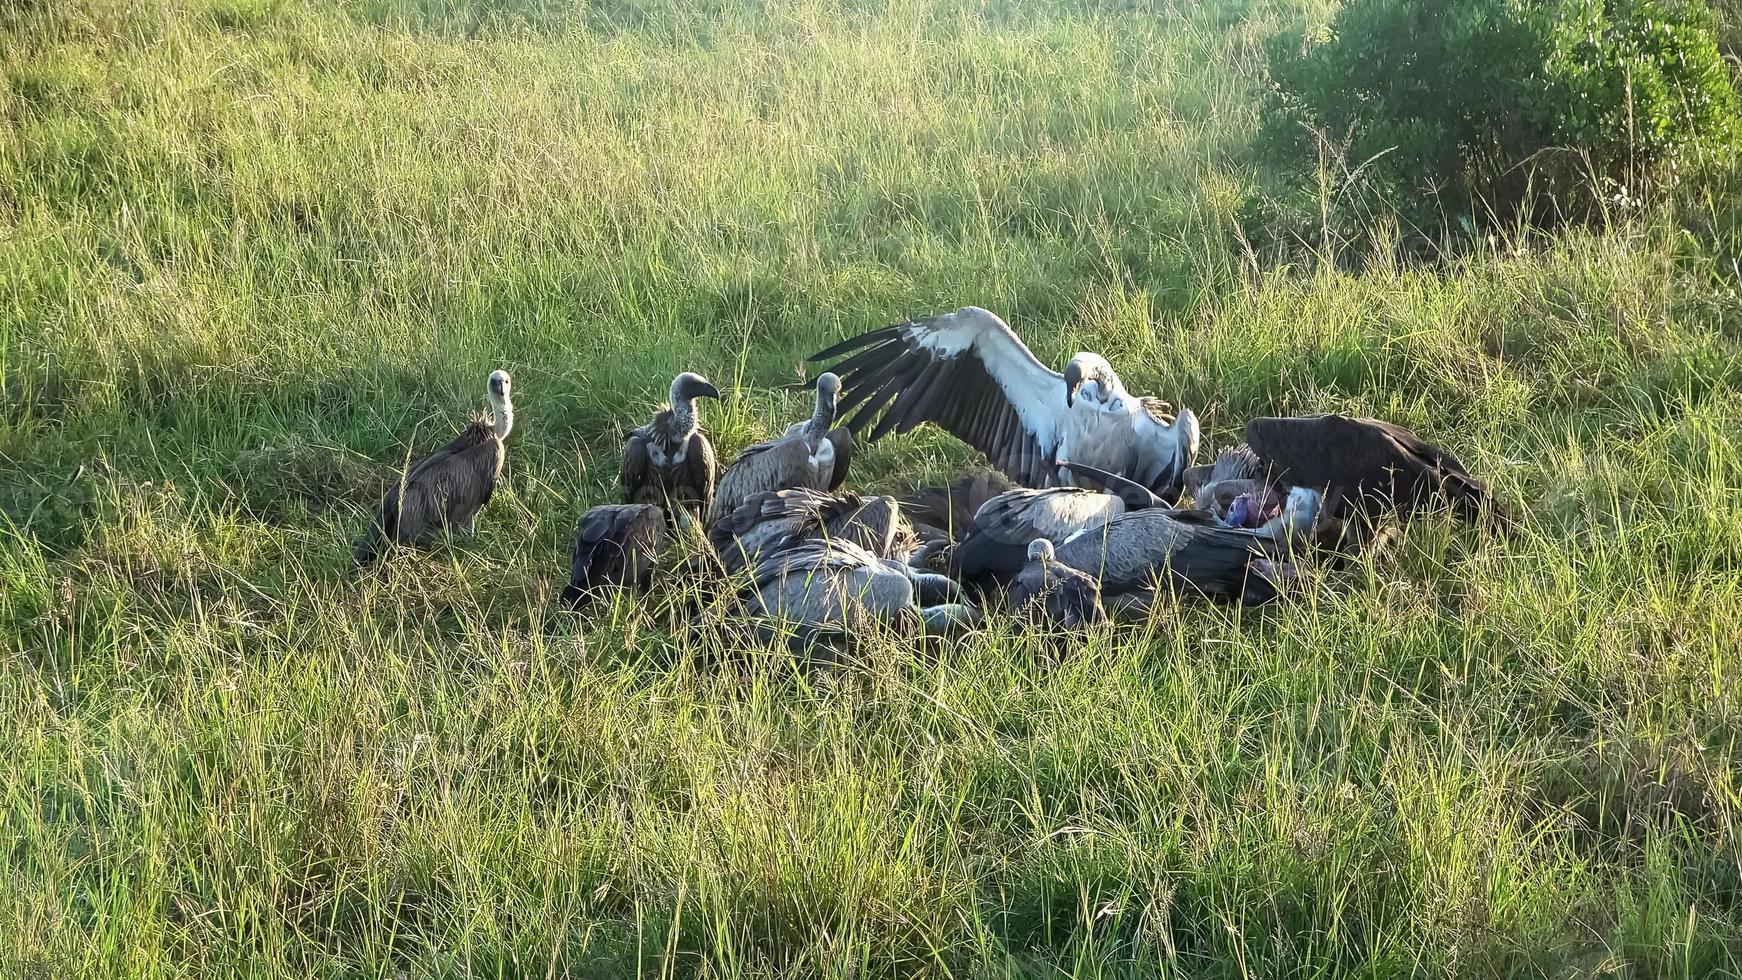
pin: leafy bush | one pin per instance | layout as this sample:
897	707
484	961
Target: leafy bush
1498	108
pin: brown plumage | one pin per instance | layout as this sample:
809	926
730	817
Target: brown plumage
948	512
1370	466
670	461
616	545
809	455
443	492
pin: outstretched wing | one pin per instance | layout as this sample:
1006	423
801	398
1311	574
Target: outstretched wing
964	371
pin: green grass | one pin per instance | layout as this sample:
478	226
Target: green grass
252	251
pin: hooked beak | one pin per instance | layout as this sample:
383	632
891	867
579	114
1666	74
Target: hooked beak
707	390
1073	381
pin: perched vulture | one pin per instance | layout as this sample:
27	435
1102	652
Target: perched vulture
811	455
996	547
969	373
669	461
1370	466
1181	549
778	518
444	491
1046	592
819	582
616	545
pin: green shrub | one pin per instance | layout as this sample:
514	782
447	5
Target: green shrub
1494	109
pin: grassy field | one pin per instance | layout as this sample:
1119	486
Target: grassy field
254	251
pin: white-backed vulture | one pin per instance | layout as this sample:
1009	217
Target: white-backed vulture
616	545
1049	593
827	583
811	454
1179	549
969	373
669	461
997	546
1183	549
444	491
778	518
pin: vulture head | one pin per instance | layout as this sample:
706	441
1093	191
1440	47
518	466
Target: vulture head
1041	550
501	406
1087	369
689	386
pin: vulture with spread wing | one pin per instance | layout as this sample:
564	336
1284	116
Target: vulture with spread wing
969	373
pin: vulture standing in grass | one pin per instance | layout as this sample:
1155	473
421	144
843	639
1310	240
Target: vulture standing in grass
669	461
1048	593
996	548
444	491
837	584
616	545
778	518
811	454
1181	549
969	373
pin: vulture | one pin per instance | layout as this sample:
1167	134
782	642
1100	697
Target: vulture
1182	549
948	512
774	519
824	583
811	454
669	461
1237	470
1048	593
1370	466
616	545
444	491
969	373
1310	473
996	547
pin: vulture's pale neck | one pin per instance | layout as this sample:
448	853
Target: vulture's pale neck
501	414
822	418
683	416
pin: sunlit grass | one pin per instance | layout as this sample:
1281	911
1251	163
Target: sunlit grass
252	252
